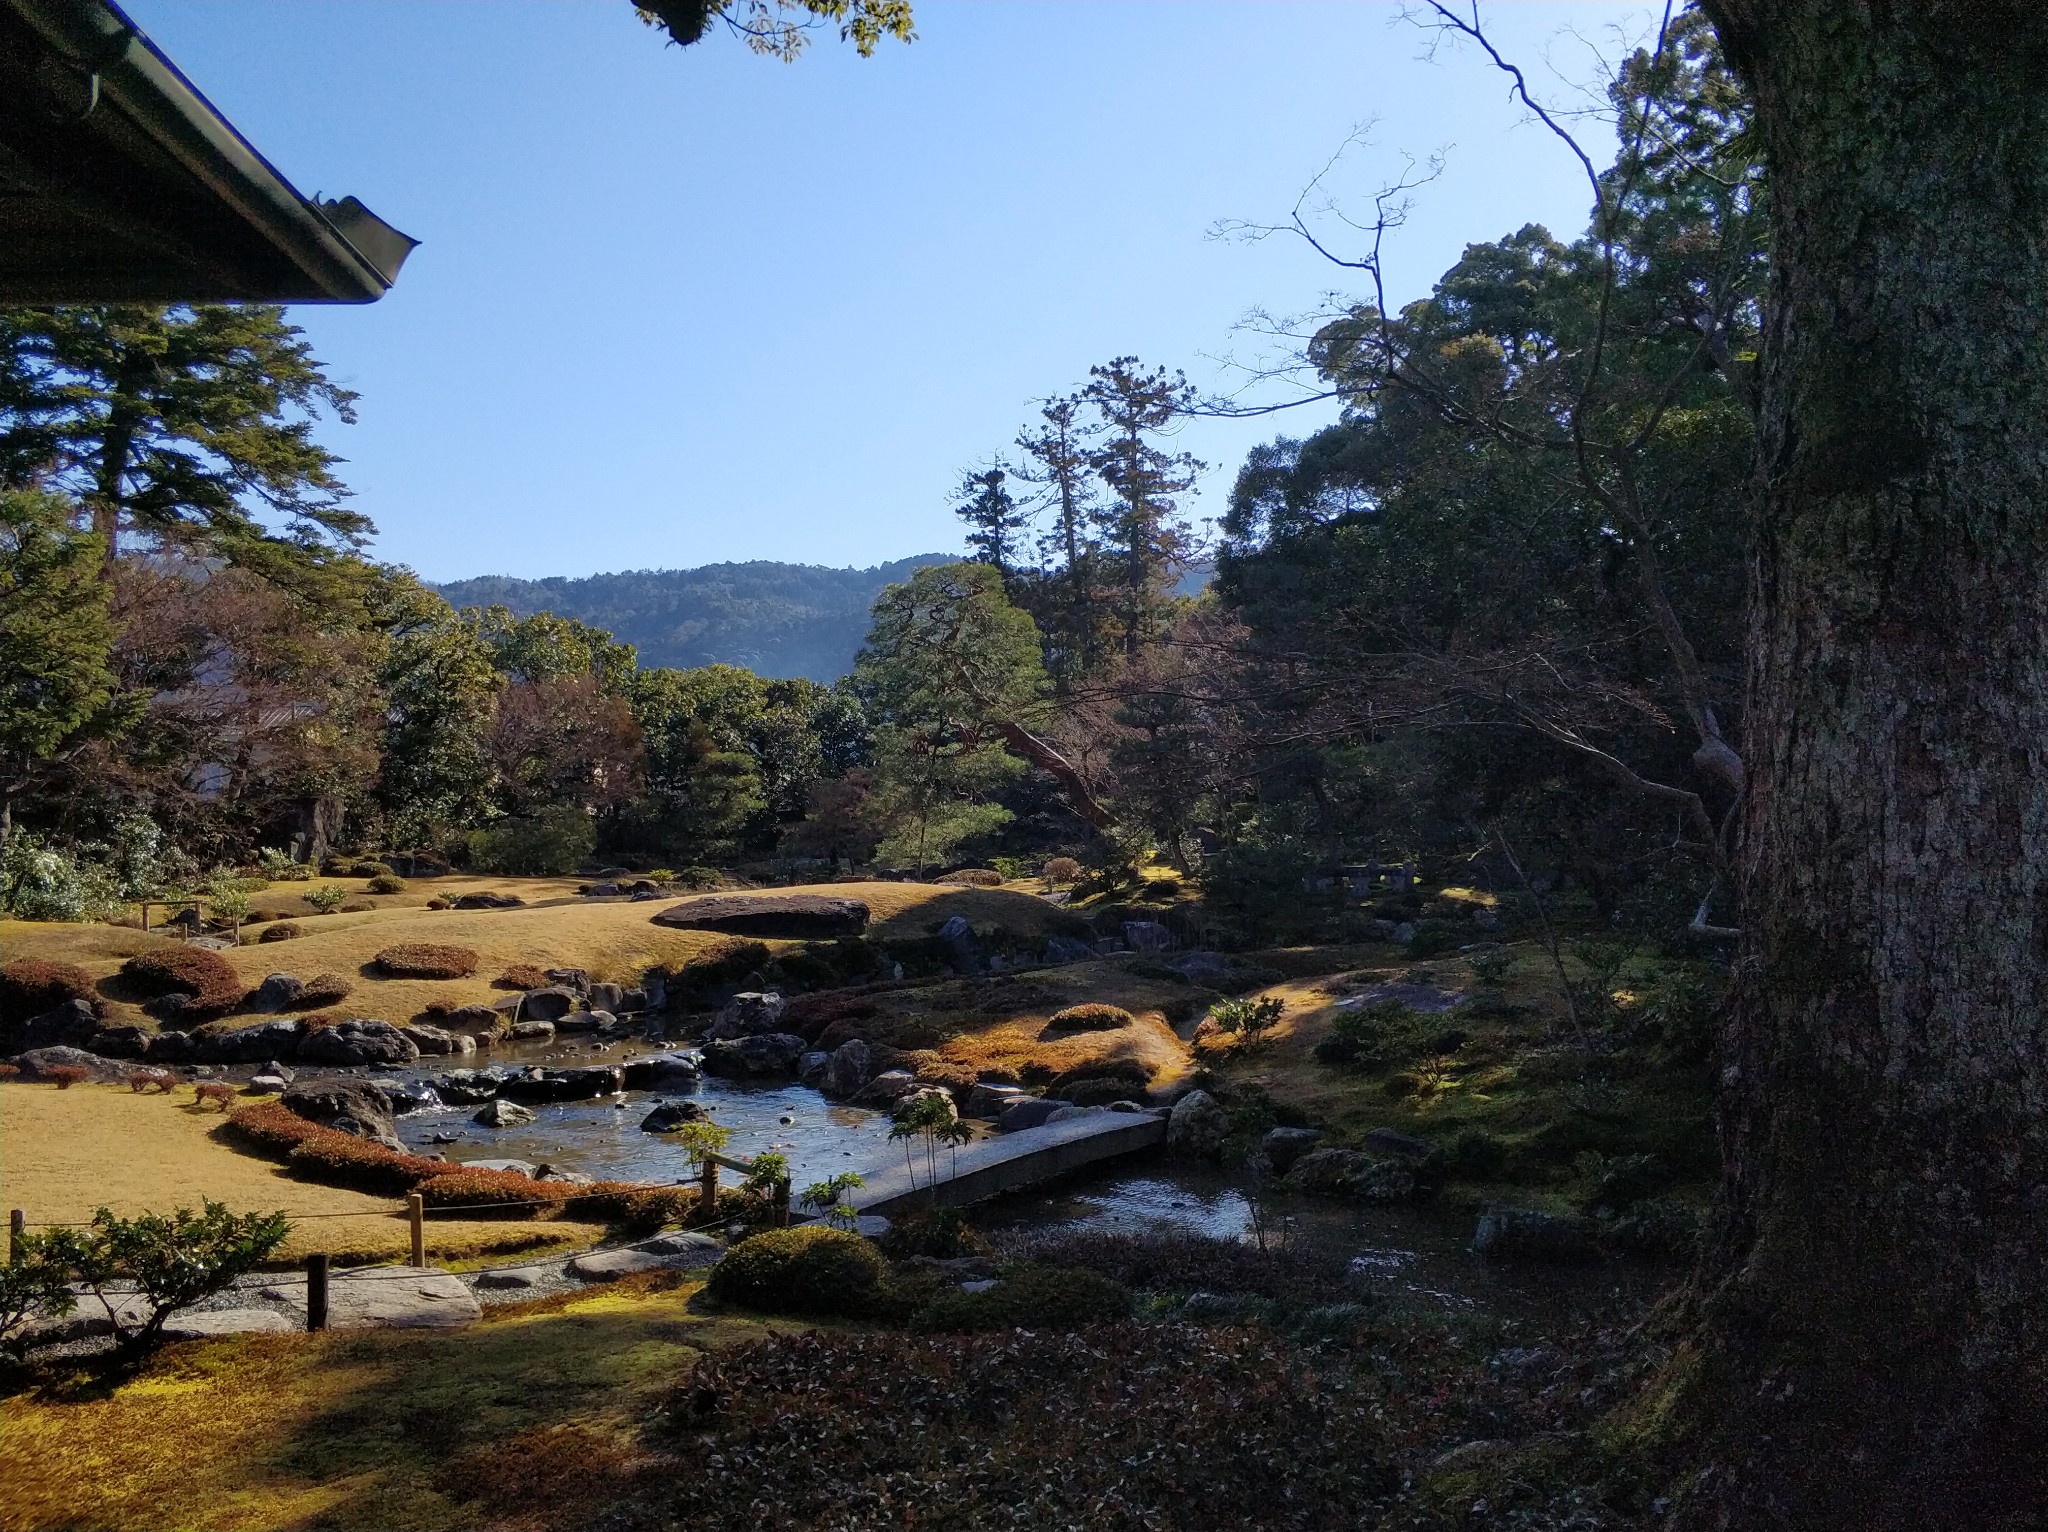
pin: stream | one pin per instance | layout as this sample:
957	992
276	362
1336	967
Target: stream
1420	1256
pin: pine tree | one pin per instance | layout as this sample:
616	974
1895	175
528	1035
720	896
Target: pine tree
993	517
1148	543
1059	455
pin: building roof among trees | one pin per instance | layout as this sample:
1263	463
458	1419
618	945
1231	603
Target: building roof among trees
120	182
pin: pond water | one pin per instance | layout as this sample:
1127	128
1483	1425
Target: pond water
1419	1256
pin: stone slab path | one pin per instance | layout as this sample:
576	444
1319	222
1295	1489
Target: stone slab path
1007	1161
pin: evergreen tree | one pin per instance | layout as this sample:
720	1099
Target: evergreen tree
993	518
187	425
1059	455
1147	542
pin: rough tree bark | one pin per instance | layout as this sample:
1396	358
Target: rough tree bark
1870	1349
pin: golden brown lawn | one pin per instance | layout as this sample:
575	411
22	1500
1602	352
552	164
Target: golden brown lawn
65	1153
614	940
356	1430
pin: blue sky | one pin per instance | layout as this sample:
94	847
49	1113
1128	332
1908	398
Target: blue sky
674	307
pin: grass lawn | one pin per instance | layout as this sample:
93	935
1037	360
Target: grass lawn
521	1420
64	1153
615	940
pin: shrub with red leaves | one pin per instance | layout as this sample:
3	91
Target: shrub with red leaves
64	1076
31	986
200	972
426	960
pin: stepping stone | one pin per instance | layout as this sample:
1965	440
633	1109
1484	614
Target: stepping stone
211	1322
514	1277
610	1265
400	1297
682	1244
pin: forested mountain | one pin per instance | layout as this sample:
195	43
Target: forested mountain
779	620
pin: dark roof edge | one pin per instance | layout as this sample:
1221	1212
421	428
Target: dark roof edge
99	37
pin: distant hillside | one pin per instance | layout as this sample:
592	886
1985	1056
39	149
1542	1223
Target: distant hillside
775	619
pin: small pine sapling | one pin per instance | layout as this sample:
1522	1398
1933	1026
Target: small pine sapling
829	1199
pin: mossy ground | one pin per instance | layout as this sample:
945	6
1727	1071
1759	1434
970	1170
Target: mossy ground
381	1429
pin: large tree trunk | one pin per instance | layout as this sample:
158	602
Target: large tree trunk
1873	1316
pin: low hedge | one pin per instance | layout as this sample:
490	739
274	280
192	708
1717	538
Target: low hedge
271	1127
1030	1298
1091	1018
200	972
426	960
808	1270
972	877
31	986
488	1190
334	1158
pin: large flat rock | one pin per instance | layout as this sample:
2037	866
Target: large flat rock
208	1323
795	916
401	1297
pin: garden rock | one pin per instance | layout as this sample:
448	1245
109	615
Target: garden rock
503	1114
412	1097
1198	1126
1029	1112
748	1014
1390	1141
1533	1235
1284	1146
810	1069
550	1004
277	992
1351	1173
797	916
348	1106
1074	1113
269	1084
249	1045
850	1068
886	1089
1147	936
472	1016
577	979
358	1042
988	1101
1417	997
517	1167
488	901
664	1071
514	1277
771	1053
563	1084
169	1048
683	1243
433	1040
671	1115
397	1297
585	1021
71	1025
531	1031
610	1265
606	997
1200	965
205	1324
120	1042
466	1087
1066	949
167	1007
36	1063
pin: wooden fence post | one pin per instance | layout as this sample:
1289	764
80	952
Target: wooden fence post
17	1225
316	1290
782	1202
707	1206
416	1212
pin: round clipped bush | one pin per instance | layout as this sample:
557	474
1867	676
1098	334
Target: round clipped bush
323	989
31	986
200	972
1091	1018
810	1270
371	870
1030	1298
387	883
972	877
64	1076
521	976
1061	869
426	960
440	902
283	931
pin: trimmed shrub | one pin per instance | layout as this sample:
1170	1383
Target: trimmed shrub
271	1127
327	898
1091	1018
626	1205
495	1190
440	902
809	1270
973	877
387	883
943	1234
334	1158
426	960
1061	869
521	976
323	989
10	1071
64	1076
1030	1298
200	972
31	986
372	870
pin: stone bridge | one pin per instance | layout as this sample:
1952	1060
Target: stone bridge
1006	1161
